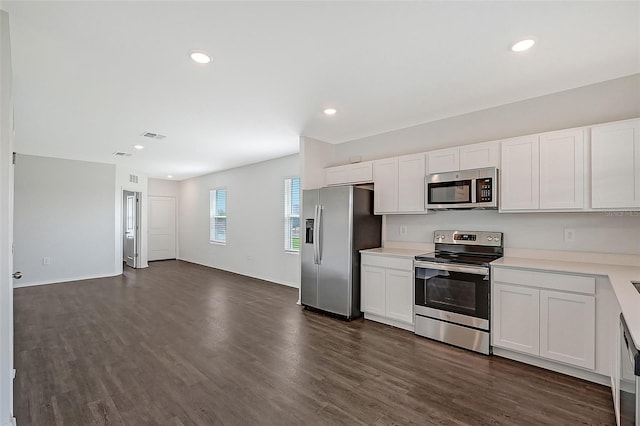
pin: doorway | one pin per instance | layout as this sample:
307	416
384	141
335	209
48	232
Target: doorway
162	228
131	228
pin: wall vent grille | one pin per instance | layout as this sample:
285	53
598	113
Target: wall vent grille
133	179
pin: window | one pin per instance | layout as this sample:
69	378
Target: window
292	214
218	216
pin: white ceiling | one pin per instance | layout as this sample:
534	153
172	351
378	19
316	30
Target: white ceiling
90	77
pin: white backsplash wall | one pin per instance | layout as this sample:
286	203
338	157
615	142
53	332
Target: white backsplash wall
602	232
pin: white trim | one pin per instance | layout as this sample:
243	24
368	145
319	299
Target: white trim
65	280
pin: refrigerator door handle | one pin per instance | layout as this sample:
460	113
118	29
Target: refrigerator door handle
316	259
319	239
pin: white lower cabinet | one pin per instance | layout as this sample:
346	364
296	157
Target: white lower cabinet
544	314
386	291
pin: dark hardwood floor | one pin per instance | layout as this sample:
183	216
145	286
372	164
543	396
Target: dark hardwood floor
180	344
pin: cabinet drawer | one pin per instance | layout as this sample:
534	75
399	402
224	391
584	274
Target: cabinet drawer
546	280
387	262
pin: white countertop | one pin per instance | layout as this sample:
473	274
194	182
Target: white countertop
619	275
394	252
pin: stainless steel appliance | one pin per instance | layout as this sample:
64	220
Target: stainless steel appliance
629	379
339	222
452	288
466	189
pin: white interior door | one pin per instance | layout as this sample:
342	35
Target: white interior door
131	227
6	225
162	228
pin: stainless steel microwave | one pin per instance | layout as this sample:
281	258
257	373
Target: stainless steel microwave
466	189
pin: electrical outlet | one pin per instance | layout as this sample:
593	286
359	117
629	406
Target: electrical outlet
46	260
403	229
569	235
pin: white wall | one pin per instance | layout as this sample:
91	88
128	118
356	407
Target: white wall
600	232
64	210
255	221
164	188
6	215
611	100
315	155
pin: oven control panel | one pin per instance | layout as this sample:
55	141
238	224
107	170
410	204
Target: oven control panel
479	238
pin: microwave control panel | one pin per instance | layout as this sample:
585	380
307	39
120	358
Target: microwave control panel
484	188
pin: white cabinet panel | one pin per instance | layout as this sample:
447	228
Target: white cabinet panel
615	165
399	295
567	328
480	155
385	180
411	180
444	160
562	170
373	291
519	181
516	318
350	173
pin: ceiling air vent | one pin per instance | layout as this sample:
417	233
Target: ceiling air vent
133	179
121	154
153	135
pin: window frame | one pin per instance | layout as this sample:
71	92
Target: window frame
213	192
288	241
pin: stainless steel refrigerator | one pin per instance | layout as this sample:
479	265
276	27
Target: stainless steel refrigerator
338	222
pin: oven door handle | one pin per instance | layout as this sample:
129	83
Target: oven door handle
476	270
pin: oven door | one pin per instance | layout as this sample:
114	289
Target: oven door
454	293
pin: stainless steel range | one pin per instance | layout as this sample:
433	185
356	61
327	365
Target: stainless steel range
452	288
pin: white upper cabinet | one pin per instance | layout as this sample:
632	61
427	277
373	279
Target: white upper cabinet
349	173
615	165
444	160
480	155
562	170
399	184
476	156
519	182
543	172
411	177
385	181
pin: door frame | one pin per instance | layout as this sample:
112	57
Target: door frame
138	221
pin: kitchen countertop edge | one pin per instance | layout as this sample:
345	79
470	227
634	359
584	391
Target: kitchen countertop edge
394	252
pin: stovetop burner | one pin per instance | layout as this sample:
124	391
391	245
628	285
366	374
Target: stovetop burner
465	247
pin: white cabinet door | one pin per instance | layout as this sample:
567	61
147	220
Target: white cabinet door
480	155
615	165
385	181
567	328
360	172
519	180
516	323
372	293
444	160
399	295
336	175
562	170
411	177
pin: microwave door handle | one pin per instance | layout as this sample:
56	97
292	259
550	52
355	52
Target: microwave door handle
474	190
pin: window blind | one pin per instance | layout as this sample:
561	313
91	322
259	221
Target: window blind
218	215
292	214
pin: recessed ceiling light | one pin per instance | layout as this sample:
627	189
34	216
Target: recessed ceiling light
138	147
200	57
523	45
169	176
330	111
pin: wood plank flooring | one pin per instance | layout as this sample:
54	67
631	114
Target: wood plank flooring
182	344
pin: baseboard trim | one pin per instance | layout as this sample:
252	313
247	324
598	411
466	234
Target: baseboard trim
258	277
389	321
553	366
65	280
